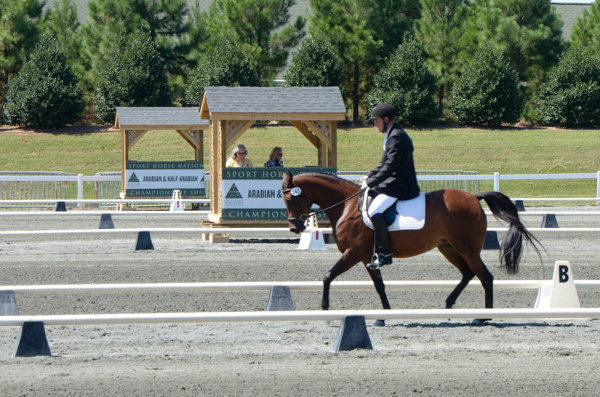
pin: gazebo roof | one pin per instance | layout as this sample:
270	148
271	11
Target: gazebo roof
272	103
159	118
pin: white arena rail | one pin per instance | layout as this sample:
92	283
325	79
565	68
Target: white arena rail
98	213
240	230
267	285
325	315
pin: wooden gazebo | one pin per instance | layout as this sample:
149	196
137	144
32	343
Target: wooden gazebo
134	122
314	111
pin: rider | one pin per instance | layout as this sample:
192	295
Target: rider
395	177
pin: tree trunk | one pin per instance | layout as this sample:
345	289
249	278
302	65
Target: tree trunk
355	94
441	99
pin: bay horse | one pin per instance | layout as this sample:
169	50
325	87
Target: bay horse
455	224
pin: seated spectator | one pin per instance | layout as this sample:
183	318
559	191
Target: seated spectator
275	157
238	157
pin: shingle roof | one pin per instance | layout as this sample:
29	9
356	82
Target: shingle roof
159	116
273	100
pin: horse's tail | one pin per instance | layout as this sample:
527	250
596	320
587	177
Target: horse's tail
512	243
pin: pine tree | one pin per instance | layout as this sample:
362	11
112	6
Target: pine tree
135	76
226	65
528	32
18	35
45	93
315	64
363	33
61	22
260	27
586	32
165	21
438	32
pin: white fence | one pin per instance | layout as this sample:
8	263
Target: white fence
28	182
308	315
267	285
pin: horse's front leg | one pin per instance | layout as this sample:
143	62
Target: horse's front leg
380	288
346	262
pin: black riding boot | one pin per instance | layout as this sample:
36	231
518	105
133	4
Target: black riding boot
382	239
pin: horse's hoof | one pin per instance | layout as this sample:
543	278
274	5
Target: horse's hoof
379	323
481	321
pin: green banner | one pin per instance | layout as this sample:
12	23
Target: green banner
164	165
185	193
265	214
272	173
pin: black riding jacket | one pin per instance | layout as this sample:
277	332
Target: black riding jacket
396	175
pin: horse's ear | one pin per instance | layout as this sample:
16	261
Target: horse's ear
287	175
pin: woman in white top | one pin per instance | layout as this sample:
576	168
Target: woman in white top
238	157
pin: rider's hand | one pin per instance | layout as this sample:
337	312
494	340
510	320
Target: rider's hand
363	178
363	184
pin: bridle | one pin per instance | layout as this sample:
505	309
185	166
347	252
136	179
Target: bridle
296	192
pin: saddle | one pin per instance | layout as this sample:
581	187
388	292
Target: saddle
403	215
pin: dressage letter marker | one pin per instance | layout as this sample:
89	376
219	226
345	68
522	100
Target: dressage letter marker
561	293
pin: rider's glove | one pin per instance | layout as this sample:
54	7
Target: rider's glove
363	184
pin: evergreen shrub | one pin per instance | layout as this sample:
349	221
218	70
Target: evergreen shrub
487	92
406	83
315	64
571	97
226	65
45	92
134	76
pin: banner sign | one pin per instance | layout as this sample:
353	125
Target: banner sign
160	178
255	193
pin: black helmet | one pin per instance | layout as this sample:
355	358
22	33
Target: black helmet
383	110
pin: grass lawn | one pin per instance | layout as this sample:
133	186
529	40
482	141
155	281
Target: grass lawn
508	151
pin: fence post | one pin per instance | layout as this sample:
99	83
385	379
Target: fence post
496	181
598	188
79	189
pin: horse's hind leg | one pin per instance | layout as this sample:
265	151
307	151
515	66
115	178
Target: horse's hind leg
461	264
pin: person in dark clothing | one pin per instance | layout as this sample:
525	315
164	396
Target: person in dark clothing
275	158
395	178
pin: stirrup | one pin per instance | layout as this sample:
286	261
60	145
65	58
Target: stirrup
380	260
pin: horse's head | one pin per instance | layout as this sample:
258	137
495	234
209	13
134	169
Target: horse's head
297	204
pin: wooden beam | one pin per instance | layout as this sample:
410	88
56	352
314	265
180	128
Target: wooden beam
165	127
306	132
188	138
276	116
204	113
318	133
135	139
239	133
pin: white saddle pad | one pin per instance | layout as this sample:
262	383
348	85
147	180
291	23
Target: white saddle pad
411	214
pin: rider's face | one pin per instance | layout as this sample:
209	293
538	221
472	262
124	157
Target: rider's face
380	124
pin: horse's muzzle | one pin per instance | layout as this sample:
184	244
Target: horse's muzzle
297	227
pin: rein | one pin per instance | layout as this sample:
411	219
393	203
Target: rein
295	193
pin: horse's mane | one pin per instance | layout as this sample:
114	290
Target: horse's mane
329	178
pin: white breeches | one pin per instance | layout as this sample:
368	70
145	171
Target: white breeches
380	204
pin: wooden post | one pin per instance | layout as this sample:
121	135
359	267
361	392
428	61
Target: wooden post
124	158
333	151
200	147
322	160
